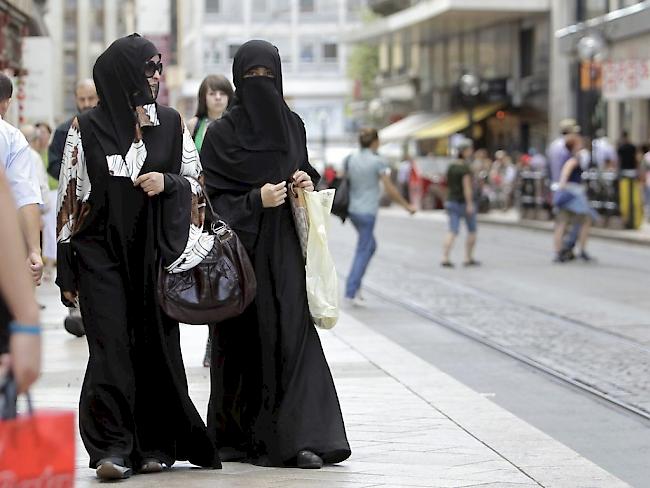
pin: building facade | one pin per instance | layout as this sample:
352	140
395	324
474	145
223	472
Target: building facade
426	46
611	91
308	36
80	31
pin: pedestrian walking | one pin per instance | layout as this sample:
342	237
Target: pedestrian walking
125	207
558	154
571	202
20	331
366	170
273	399
85	99
215	93
214	96
460	204
16	158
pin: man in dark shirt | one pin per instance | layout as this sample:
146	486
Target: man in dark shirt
85	98
460	204
627	158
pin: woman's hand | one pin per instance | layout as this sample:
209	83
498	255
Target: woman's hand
273	195
151	183
303	180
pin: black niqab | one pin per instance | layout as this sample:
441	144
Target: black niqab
259	113
121	86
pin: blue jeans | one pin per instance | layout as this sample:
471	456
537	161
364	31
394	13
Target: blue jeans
366	247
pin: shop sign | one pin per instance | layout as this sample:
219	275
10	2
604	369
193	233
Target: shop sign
626	79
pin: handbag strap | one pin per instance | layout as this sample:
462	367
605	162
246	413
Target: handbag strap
219	227
9	398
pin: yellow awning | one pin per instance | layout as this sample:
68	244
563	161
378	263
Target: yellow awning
456	122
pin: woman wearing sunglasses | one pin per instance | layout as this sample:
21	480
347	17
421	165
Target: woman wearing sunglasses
127	199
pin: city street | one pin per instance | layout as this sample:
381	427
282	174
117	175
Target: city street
586	323
428	407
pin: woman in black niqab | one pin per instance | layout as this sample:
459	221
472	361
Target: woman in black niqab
128	201
273	399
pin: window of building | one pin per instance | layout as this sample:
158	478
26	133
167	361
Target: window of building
330	52
469	51
526	51
232	50
212	53
307	53
260	6
588	9
284	48
212	6
307	6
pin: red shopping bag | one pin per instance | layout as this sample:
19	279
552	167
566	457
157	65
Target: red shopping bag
38	450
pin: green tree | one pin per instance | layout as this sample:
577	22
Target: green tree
363	66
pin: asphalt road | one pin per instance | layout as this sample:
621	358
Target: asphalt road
589	322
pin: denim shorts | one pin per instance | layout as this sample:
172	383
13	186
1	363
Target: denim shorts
456	212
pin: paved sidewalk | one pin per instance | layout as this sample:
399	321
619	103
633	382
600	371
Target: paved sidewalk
409	424
511	218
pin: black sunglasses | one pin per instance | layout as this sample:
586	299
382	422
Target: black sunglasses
151	67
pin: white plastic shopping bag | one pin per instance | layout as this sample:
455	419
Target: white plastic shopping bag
322	282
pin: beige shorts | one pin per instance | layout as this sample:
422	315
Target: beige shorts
566	217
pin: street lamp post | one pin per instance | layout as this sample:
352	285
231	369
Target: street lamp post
591	48
323	117
470	88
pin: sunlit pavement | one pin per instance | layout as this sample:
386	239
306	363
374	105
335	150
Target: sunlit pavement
408	423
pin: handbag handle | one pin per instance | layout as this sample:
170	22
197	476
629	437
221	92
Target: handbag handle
9	398
219	227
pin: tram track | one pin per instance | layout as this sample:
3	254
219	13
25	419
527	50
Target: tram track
573	380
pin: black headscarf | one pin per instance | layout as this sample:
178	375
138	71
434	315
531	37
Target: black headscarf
121	86
259	113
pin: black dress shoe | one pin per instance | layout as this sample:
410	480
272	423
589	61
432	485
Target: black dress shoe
112	469
74	325
308	460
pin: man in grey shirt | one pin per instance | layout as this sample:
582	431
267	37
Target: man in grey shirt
365	170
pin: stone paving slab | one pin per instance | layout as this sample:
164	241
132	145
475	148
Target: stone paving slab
409	424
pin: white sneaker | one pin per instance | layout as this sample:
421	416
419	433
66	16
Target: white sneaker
355	302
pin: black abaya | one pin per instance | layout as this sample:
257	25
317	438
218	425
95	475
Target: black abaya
272	391
134	402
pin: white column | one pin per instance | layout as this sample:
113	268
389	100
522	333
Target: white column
295	38
54	22
110	21
639	129
84	63
561	97
613	120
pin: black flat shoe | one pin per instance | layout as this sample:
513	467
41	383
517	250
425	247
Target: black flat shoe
151	465
447	264
230	454
112	469
308	460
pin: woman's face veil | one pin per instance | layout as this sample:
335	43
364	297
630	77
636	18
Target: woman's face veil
264	123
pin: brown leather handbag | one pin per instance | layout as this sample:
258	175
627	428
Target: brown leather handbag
218	288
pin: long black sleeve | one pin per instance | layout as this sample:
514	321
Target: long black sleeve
55	151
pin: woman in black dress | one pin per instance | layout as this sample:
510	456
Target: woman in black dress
128	203
273	399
